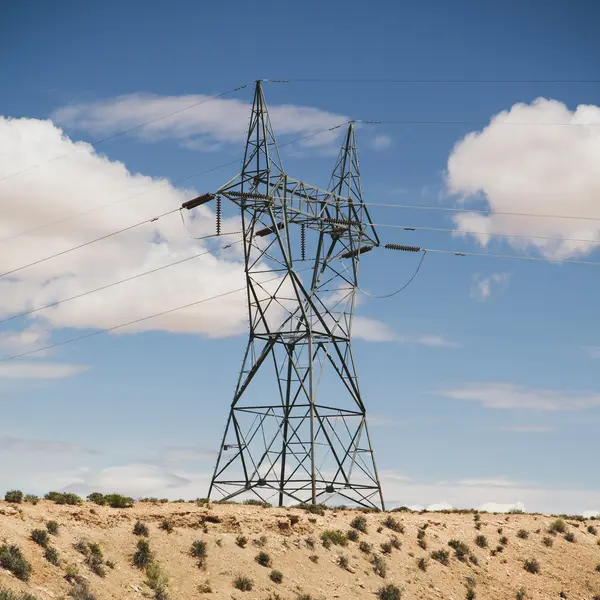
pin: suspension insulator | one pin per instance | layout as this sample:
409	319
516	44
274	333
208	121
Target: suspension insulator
271	229
353	253
303	242
218	215
189	204
403	248
250	195
341	222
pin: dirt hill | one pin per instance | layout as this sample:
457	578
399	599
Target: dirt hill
100	542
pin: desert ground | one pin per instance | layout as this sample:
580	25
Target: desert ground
492	566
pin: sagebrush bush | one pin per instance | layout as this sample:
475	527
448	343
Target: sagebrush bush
157	580
570	537
395	542
52	527
140	529
504	540
205	587
442	556
198	549
531	565
557	526
335	537
389	592
359	523
521	594
365	547
386	547
393	524
64	498
315	509
276	576
379	566
313	558
422	543
352	535
422	563
80	591
51	555
263	559
260	542
166	525
522	534
547	541
461	550
591	529
343	562
97	498
243	583
481	541
471	594
40	537
15	496
12	559
241	541
8	595
598	568
255	502
31	498
142	556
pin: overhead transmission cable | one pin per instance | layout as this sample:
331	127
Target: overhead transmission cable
131	278
436	81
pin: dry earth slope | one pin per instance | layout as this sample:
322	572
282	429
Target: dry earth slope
489	567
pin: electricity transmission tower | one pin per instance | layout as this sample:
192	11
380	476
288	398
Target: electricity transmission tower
297	425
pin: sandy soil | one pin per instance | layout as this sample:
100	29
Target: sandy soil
567	567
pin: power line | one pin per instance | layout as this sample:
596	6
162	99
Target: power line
115	283
441	81
487	122
490	233
129	130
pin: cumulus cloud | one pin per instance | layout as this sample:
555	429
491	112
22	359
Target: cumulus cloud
373	330
510	396
21	445
537	158
482	286
381	142
39	370
206	126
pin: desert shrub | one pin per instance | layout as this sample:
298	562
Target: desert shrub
276	576
499	549
80	591
500	530
335	537
521	594
476	517
343	562
359	523
51	555
461	550
598	568
157	580
110	564
118	501
313	558
386	547
522	534
97	498
442	556
379	566
547	541
422	563
52	527
31	498
481	541
591	529
263	559
254	502
140	529
304	597
473	559
395	542
504	540
352	535
420	534
63	498
393	524
570	537
389	592
15	496
96	564
314	509
471	594
241	541
12	559
531	565
557	526
422	543
142	556
72	574
261	542
205	587
166	525
243	583
40	537
365	547
8	595
198	550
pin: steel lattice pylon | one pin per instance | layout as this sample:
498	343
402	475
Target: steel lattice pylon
297	426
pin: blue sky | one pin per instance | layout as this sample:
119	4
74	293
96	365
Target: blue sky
503	409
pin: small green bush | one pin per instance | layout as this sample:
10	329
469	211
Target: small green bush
199	551
31	498
313	558
343	562
504	540
365	547
97	498
393	524
51	555
442	556
205	587
598	568
570	537
276	576
335	537
255	502
166	525
118	501
63	498
557	526
15	496
591	529
142	556
395	542
243	583
52	527
522	534
352	535
547	541
389	592
531	565
471	594
315	509
40	537
386	547
521	594
359	523
481	541
80	591
140	529
263	559
379	566
8	595
12	559
422	563
157	580
241	541
461	550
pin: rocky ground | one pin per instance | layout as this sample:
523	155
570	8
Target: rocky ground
489	567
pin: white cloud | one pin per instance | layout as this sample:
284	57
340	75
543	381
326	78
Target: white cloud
372	330
528	429
593	351
495	507
482	286
547	164
489	482
21	445
202	127
39	370
510	396
381	142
